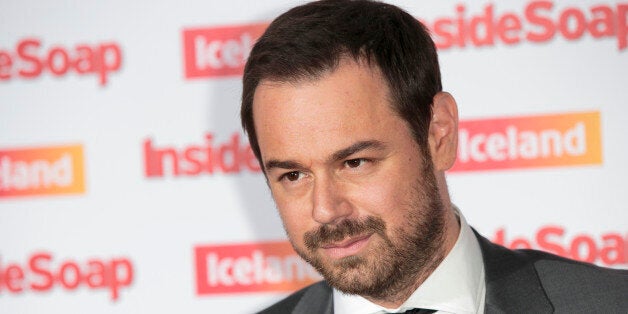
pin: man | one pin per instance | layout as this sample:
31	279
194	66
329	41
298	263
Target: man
344	109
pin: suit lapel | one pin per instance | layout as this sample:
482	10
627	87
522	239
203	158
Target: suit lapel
512	283
317	299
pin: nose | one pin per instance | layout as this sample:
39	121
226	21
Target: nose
329	201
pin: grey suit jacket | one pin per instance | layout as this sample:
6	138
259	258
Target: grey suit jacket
521	281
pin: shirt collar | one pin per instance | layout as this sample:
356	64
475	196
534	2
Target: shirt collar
456	285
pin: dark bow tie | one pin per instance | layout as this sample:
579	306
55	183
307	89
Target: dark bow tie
419	311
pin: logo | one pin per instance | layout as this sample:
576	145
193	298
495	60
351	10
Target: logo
222	51
42	171
42	274
30	60
529	142
609	249
218	51
255	267
206	158
540	22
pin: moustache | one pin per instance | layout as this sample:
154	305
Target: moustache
326	234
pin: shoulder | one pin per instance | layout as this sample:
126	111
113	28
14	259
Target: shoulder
499	260
575	285
568	284
550	266
556	271
315	295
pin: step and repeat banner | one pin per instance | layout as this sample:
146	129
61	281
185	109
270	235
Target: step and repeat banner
127	185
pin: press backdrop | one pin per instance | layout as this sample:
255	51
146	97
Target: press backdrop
127	186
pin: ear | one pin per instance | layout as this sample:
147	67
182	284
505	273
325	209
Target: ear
443	134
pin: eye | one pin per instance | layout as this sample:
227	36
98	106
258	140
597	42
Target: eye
354	163
291	176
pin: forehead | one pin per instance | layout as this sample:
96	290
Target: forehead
349	104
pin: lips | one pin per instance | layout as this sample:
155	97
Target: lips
346	247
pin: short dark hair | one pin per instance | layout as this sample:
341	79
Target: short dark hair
309	40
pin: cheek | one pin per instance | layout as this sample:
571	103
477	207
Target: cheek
296	218
384	197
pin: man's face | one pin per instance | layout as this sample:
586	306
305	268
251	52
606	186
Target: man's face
357	199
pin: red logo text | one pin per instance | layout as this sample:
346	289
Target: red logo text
218	51
30	60
609	249
540	22
255	267
566	139
42	274
209	157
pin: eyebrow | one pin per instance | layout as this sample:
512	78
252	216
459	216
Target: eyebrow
338	155
356	147
286	164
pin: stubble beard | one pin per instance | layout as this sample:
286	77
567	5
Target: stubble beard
398	264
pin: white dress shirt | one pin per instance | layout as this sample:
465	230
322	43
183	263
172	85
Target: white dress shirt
456	285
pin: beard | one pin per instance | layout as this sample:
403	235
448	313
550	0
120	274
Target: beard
397	264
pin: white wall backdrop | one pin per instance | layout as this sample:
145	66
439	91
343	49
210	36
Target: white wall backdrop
127	186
